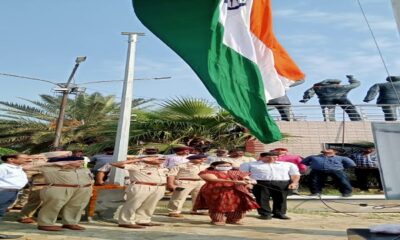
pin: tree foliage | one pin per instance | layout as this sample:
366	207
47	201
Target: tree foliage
91	123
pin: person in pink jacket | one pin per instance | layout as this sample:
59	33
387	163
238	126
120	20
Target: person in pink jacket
284	156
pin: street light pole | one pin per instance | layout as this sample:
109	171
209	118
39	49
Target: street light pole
122	139
66	91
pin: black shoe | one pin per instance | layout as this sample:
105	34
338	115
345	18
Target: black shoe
265	217
347	195
282	216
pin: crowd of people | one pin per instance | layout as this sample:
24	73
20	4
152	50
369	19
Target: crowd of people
223	186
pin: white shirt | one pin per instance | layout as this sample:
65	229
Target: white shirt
12	177
277	171
174	160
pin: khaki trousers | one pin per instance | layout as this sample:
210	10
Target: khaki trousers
141	202
178	198
22	198
71	201
33	204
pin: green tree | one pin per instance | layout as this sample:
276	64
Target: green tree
189	121
30	128
91	123
5	151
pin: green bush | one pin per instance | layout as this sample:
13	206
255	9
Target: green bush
5	151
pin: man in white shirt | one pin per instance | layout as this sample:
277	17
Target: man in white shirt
274	179
181	153
100	160
12	179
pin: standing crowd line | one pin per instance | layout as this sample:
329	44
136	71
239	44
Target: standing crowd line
224	186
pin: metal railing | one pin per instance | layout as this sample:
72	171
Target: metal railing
362	112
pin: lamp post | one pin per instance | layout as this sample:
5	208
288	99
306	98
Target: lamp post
122	139
65	90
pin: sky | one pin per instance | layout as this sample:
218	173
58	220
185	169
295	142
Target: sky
42	38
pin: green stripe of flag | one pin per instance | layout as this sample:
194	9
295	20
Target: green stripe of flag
235	82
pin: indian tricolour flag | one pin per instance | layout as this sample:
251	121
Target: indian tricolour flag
231	47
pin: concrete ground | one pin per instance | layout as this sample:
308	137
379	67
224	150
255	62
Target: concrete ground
311	219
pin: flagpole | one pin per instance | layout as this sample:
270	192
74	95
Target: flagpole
122	138
396	11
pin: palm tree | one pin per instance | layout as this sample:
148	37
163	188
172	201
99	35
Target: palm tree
189	121
5	151
91	123
31	127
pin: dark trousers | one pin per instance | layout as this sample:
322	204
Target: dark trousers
349	108
277	190
7	197
317	180
285	112
362	175
390	113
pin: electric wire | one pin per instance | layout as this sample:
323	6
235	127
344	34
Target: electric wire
379	49
30	78
325	203
334	209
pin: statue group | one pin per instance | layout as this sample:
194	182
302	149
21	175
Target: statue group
331	92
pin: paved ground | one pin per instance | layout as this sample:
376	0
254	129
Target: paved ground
310	220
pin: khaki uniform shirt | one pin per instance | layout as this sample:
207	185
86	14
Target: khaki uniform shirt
187	170
57	175
35	176
142	172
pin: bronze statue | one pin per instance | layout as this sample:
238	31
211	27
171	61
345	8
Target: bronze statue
389	93
283	104
330	93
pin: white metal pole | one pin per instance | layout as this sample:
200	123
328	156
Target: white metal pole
122	138
396	10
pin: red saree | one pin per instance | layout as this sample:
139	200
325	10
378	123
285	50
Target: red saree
225	196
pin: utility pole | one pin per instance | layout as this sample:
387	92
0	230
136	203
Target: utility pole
65	90
122	139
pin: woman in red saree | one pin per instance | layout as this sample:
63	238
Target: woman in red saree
225	194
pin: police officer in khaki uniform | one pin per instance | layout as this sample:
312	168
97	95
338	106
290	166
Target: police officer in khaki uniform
184	180
148	179
68	190
37	181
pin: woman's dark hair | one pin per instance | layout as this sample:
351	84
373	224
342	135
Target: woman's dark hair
214	164
6	157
